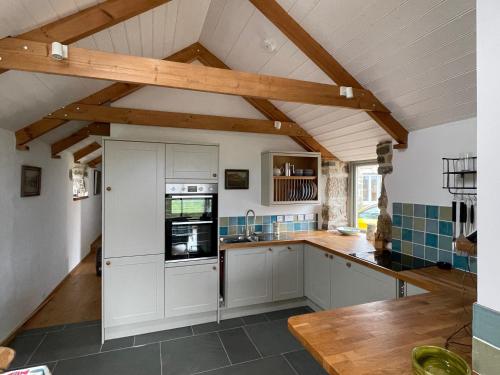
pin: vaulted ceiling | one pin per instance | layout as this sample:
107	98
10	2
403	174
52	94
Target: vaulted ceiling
416	56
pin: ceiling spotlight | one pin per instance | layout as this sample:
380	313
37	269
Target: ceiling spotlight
59	51
277	125
270	45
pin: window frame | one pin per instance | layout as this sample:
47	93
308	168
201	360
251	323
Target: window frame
352	187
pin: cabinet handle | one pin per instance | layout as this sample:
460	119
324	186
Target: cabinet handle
214	175
270	249
108	188
108	263
348	265
331	256
289	248
326	255
214	268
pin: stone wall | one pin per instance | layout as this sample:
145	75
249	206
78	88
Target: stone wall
335	204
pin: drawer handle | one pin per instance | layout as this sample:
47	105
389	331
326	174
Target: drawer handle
270	249
289	248
214	268
108	188
214	175
108	263
331	256
326	255
348	265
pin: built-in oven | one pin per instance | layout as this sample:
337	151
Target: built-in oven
190	221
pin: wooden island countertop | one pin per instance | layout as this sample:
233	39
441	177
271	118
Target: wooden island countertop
378	337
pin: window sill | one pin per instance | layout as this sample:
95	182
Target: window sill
79	199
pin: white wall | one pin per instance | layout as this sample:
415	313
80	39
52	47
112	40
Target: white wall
237	150
417	175
488	114
41	238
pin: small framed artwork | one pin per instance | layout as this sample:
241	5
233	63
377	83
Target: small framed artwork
97	182
31	181
236	179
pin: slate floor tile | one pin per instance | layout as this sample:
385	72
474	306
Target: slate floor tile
143	360
252	319
170	334
24	346
267	366
41	331
68	343
192	354
304	363
88	323
272	338
285	314
238	346
213	326
121	343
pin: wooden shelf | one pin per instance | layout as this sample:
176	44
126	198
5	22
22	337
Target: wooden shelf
295	177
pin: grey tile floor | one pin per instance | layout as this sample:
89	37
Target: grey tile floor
258	344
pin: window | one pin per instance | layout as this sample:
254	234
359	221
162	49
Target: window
366	186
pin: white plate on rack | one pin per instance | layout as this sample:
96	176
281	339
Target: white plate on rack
348	231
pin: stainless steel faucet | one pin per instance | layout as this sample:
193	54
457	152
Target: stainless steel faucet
247	230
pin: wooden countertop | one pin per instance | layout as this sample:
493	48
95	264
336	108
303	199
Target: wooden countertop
377	338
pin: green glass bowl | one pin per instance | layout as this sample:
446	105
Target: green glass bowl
433	360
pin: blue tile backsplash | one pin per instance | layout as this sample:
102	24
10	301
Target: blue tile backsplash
426	232
231	225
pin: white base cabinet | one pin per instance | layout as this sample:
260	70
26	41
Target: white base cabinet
264	274
133	289
332	281
317	268
354	284
288	272
191	289
249	277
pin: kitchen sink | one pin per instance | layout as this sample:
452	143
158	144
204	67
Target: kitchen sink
239	239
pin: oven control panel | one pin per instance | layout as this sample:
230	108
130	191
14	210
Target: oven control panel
191	188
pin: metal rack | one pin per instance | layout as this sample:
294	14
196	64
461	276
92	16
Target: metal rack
460	176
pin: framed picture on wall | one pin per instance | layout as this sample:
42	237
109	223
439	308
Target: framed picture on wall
97	182
31	181
236	179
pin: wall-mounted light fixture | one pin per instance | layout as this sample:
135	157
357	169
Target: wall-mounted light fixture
347	92
59	51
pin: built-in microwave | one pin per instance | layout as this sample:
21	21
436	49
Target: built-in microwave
191	221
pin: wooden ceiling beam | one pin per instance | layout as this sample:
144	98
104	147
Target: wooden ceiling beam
174	120
89	21
34	57
80	154
95	128
106	95
267	108
95	162
327	63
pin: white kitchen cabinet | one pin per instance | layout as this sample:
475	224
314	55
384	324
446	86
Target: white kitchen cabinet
288	272
191	289
317	269
354	284
249	276
192	162
412	290
133	289
134	198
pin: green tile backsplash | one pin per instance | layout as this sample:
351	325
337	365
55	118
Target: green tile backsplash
426	231
264	224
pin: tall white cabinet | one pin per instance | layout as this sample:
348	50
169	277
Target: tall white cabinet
134	232
134	198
